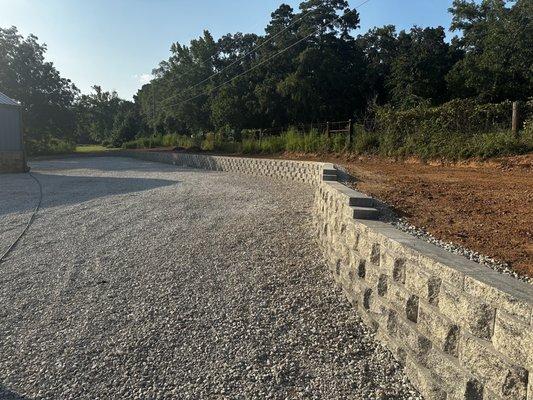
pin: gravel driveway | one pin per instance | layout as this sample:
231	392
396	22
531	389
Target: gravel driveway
140	280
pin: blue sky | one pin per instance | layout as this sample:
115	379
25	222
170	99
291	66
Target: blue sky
116	43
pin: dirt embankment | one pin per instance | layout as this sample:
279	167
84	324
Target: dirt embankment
484	206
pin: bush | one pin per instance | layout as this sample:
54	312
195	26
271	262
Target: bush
49	146
169	140
366	142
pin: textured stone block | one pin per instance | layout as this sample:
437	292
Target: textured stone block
502	377
443	333
379	311
429	386
475	316
403	301
420	283
513	338
519	305
459	383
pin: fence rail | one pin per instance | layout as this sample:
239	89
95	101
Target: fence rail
328	128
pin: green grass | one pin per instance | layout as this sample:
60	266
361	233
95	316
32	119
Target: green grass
91	148
425	145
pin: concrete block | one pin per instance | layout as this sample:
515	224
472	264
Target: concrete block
429	386
517	301
444	334
475	316
363	212
500	375
513	338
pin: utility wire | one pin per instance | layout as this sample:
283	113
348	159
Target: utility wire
270	58
28	224
254	49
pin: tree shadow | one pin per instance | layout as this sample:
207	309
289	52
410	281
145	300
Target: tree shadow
107	164
61	190
6	394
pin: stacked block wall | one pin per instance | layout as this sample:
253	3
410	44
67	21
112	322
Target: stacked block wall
463	331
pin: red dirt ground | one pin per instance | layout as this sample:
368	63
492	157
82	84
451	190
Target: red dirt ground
484	206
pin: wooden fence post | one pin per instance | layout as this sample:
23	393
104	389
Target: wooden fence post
327	129
350	132
516	117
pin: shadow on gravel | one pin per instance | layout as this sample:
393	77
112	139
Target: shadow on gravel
107	164
6	394
67	190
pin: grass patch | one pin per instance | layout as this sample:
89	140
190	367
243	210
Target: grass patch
91	148
423	144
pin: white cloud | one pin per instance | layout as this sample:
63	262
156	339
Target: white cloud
143	79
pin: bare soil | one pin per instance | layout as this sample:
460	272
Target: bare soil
484	206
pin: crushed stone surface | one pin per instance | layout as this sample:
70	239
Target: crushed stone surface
140	280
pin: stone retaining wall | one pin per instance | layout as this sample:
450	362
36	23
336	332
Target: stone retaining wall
306	172
462	330
12	161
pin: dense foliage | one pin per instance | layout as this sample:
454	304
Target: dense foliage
310	65
46	97
331	74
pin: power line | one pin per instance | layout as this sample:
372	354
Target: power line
254	49
270	58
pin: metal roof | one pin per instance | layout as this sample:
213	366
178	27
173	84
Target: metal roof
6	101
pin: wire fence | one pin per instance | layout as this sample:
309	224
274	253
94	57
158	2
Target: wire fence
347	128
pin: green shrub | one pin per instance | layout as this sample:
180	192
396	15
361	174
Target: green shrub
49	146
366	142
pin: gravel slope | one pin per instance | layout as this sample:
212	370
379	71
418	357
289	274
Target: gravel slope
145	281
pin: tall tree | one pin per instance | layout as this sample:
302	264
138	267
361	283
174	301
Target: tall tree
497	39
46	97
419	68
96	115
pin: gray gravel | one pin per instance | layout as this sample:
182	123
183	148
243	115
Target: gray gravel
145	281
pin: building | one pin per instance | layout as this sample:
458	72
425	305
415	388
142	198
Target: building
12	157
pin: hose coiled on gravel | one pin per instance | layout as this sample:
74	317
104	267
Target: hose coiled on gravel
30	221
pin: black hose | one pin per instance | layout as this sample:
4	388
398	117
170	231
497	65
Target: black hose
30	221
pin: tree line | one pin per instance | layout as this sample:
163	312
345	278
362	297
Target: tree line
309	65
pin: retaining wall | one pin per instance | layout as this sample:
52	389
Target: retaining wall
462	330
12	161
306	172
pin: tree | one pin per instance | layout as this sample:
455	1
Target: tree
380	48
96	114
46	97
418	70
497	40
127	124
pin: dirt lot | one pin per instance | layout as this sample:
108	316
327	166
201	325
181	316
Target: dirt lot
484	206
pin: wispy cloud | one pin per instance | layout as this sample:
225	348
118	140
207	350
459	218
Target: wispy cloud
143	79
